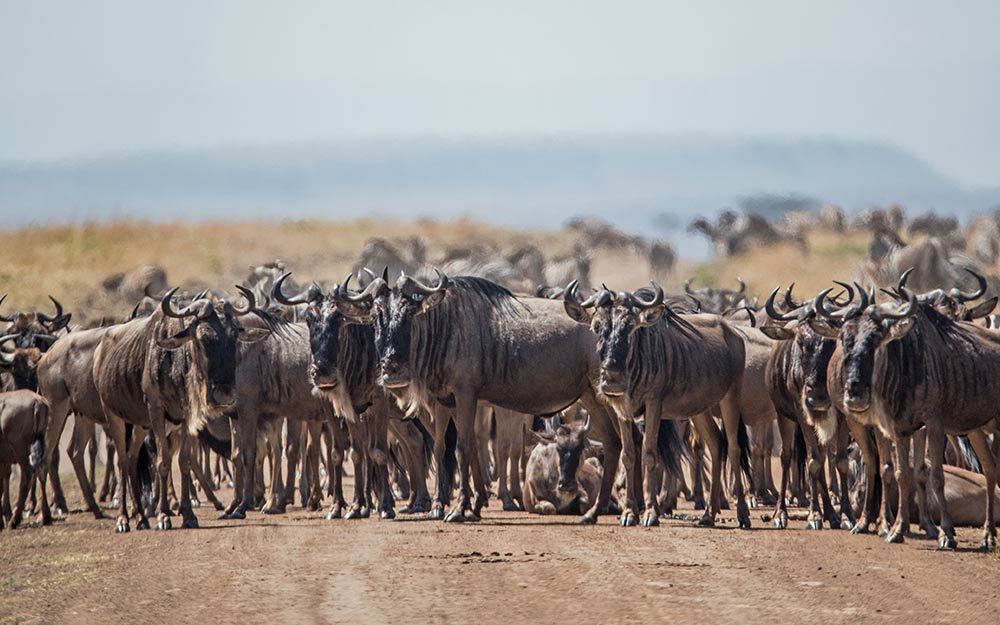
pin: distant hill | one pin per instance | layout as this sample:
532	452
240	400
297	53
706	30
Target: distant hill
630	180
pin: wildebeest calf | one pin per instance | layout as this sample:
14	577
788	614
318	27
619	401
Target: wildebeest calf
558	480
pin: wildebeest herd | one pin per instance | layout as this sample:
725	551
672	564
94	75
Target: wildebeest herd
574	400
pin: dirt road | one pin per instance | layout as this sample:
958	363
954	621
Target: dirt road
510	568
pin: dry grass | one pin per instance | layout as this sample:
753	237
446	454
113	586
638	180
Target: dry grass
71	261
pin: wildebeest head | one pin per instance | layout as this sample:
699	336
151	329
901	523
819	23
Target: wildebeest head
22	364
614	319
866	326
36	329
391	313
325	321
212	331
570	440
812	350
953	303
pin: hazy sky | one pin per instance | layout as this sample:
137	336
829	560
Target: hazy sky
97	77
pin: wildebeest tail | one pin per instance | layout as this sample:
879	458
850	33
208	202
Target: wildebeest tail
799	450
969	454
222	447
426	437
671	447
450	457
743	439
147	449
37	451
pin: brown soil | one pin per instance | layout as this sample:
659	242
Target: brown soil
510	568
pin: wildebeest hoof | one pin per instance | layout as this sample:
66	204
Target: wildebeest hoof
744	524
163	523
436	514
472	515
706	520
387	514
142	524
114	502
861	527
336	513
932	531
780	520
417	507
628	519
896	536
236	514
752	501
455	516
365	512
699	503
650	518
509	506
353	513
947	542
273	510
846	525
989	543
122	526
814	524
588	519
190	523
195	503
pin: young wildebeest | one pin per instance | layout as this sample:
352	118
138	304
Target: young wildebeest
669	366
904	367
23	417
343	369
156	372
467	340
558	479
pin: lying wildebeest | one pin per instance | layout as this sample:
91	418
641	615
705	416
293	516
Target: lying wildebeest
908	366
23	417
158	373
558	478
665	365
467	340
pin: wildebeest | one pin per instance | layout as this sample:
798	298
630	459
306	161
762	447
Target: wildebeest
466	340
665	365
158	373
23	418
343	369
908	366
558	478
35	329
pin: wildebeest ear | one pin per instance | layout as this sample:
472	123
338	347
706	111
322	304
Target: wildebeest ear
252	335
544	438
60	322
900	327
577	312
432	300
178	340
778	333
823	328
984	308
649	316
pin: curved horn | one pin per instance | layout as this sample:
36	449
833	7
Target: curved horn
687	286
59	312
342	293
773	313
657	297
903	277
743	286
135	311
280	297
9	337
166	305
790	303
251	301
423	289
371	274
586	425
5	317
697	303
849	289
965	297
903	313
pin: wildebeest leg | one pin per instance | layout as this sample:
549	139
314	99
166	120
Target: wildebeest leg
27	479
651	512
445	474
843	472
981	445
709	432
110	481
336	451
633	478
378	451
58	413
207	487
128	478
312	435
359	505
936	441
921	483
411	444
82	431
698	470
92	454
731	420
887	470
904	479
480	467
5	511
869	455
185	443
248	422
164	459
604	427
283	494
820	492
786	430
467	451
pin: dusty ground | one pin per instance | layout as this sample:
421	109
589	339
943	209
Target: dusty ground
510	568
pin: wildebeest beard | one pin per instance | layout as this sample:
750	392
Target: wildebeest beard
810	362
457	332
